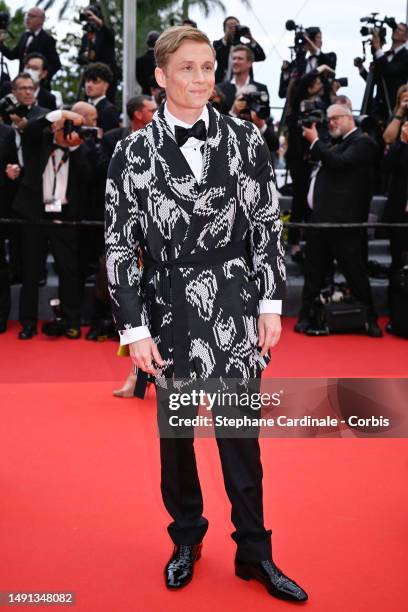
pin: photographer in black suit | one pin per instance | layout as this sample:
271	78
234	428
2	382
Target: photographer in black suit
224	46
97	79
242	59
392	66
98	45
313	58
54	187
35	65
340	192
35	39
8	157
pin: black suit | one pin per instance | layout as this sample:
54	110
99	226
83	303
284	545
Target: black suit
330	59
64	241
342	193
42	43
395	74
396	162
145	65
230	92
222	53
108	117
8	155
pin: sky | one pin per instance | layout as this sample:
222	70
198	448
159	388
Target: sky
339	22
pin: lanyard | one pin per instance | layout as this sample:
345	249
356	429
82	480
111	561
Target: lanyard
58	168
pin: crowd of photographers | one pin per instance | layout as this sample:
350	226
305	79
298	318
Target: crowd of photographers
54	161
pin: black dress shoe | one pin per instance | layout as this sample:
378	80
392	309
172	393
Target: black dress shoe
3	325
302	326
374	330
276	583
179	570
27	332
73	333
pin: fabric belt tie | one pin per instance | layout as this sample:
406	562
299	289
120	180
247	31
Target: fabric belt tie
174	289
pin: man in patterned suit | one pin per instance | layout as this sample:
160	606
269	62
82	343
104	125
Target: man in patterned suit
193	191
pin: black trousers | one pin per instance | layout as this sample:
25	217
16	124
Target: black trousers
344	245
242	473
300	171
64	245
5	299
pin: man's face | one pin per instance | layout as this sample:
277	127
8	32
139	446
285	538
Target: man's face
240	63
399	35
96	89
188	76
229	27
34	19
24	91
339	122
145	114
36	64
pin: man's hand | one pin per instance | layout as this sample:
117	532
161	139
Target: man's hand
404	133
13	171
269	331
325	68
144	353
376	42
19	122
260	123
310	133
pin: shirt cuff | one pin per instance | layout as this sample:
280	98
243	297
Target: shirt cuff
270	307
378	54
313	143
54	115
133	334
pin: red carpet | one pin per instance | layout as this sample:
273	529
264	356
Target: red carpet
81	506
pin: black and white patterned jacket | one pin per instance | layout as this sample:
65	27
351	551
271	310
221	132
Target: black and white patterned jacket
201	309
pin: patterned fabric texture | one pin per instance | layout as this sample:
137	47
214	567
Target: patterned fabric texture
154	204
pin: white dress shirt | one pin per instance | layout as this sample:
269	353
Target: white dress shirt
192	151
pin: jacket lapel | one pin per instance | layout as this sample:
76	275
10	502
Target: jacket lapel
200	201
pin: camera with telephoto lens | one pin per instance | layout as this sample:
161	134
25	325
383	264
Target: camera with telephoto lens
10	106
240	31
89	25
309	114
257	101
377	26
83	131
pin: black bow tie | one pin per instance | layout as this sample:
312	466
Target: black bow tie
198	130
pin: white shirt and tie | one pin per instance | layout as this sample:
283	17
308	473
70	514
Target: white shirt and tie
193	154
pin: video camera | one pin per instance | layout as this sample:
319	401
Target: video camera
257	101
377	26
10	106
310	113
83	131
240	31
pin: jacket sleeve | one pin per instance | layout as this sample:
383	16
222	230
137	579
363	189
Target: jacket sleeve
265	226
122	239
363	150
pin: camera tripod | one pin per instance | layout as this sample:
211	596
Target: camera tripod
372	81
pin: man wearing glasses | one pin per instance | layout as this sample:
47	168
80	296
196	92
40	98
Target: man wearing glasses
340	191
34	39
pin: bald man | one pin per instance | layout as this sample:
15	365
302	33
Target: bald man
34	39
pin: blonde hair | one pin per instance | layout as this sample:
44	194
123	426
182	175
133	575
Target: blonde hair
401	90
172	38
